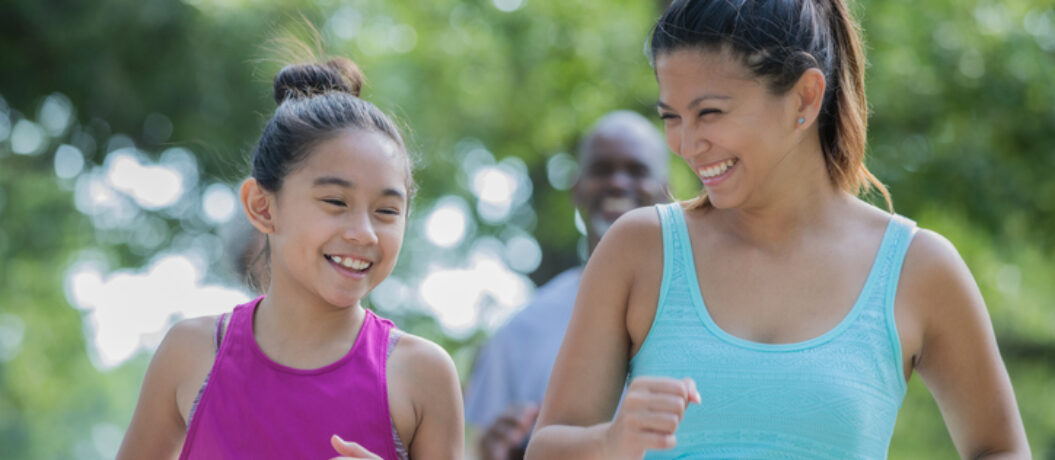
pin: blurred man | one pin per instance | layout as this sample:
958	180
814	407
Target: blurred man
622	165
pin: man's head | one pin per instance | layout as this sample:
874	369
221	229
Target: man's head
622	165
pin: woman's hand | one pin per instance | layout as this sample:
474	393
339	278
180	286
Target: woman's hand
351	450
652	409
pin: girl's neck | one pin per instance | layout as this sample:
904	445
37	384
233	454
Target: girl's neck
290	316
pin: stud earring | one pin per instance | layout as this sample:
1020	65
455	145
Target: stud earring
801	120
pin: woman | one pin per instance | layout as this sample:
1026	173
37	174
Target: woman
796	309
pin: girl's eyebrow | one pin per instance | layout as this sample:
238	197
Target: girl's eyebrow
333	180
341	182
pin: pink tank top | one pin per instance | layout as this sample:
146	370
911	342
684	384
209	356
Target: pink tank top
253	407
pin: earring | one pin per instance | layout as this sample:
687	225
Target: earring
801	120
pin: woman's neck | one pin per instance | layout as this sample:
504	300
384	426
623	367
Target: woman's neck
798	198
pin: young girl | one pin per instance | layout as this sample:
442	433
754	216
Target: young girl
777	315
284	375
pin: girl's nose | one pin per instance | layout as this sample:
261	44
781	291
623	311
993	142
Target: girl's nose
360	230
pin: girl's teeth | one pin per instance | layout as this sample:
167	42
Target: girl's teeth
352	263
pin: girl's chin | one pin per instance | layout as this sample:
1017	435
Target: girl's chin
342	300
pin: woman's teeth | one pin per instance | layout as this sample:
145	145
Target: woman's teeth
350	262
718	169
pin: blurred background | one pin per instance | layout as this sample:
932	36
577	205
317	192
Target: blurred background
125	126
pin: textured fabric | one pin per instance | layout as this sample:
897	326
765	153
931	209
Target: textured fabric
401	449
256	408
835	396
217	339
514	366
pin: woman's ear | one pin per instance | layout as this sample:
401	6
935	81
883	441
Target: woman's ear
809	96
257	204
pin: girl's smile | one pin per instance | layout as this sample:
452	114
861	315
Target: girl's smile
350	266
344	207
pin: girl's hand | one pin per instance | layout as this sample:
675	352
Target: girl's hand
351	450
650	414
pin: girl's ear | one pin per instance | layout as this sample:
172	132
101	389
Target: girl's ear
257	204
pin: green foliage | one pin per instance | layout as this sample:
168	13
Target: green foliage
961	131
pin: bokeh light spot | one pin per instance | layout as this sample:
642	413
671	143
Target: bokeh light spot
69	162
27	138
447	224
219	203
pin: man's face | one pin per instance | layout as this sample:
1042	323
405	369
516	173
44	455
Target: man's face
620	172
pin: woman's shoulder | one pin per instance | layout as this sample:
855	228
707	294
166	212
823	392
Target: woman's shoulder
936	287
930	256
644	219
633	239
933	261
634	228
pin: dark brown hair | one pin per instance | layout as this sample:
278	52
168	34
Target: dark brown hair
315	102
778	40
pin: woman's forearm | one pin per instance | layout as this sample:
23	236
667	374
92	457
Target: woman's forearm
558	442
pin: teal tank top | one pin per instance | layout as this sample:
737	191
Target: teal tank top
835	396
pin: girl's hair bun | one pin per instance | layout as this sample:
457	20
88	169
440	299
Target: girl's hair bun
306	80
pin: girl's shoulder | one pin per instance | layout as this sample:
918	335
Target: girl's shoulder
189	349
422	381
184	358
421	357
191	338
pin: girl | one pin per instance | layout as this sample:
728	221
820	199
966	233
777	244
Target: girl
280	376
797	310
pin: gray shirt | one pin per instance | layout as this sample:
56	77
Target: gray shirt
514	366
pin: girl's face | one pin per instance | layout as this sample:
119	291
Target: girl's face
340	216
726	125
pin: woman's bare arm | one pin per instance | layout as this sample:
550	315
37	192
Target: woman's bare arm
576	420
958	359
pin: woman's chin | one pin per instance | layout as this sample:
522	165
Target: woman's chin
722	201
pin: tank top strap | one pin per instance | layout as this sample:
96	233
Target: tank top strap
901	231
890	259
667	222
677	250
374	338
239	332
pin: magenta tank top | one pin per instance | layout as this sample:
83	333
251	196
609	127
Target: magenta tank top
253	407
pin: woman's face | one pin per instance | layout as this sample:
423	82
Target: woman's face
730	129
340	217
